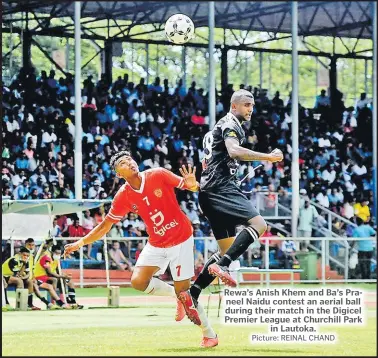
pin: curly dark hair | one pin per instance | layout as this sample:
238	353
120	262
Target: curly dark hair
118	155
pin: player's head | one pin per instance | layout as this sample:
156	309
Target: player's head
124	165
24	253
242	103
30	244
56	250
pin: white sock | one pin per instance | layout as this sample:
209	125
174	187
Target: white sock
234	265
159	288
207	330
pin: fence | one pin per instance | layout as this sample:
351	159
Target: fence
330	260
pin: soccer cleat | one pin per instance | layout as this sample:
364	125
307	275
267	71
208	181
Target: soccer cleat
209	342
223	274
76	306
34	308
51	306
66	307
190	304
180	311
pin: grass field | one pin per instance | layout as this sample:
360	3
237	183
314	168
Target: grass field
145	326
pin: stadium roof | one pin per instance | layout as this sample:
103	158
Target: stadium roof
333	18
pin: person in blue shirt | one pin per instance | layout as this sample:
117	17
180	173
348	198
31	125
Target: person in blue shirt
365	247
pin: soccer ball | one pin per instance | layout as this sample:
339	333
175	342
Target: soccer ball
179	29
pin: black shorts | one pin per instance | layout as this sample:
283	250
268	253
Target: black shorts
225	209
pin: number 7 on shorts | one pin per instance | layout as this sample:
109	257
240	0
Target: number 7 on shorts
178	268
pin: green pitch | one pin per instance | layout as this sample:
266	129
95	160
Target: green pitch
148	329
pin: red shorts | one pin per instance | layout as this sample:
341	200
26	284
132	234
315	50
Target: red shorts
42	279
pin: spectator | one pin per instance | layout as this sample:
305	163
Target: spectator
288	249
118	259
95	190
191	213
362	210
75	230
307	214
365	247
322	100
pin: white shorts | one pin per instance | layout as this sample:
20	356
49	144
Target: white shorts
180	259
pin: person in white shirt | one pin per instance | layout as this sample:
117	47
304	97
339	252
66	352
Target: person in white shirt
95	190
49	136
322	198
12	125
18	178
289	249
329	174
363	101
348	210
359	169
324	142
349	116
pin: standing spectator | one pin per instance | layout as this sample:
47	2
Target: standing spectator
365	247
306	216
322	100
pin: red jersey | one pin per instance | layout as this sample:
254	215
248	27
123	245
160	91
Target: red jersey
155	202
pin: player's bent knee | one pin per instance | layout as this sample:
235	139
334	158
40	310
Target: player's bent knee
181	286
259	224
139	283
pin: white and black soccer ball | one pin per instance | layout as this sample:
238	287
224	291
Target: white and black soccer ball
179	29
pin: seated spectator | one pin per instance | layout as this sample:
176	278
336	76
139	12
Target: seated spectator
191	213
118	259
198	118
362	210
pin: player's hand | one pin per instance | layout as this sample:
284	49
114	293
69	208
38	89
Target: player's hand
189	176
70	248
276	155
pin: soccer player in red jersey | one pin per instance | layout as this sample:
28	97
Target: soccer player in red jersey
150	194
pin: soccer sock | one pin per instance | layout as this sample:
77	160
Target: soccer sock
30	300
204	279
160	288
6	296
245	238
44	300
234	265
207	330
60	303
71	298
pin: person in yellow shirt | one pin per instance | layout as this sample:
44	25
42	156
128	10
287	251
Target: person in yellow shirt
362	210
16	272
46	276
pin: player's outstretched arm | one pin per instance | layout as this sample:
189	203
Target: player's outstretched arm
189	175
239	153
96	234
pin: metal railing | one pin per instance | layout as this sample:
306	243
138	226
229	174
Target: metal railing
341	262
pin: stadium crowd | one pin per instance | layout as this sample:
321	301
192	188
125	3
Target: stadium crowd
163	125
